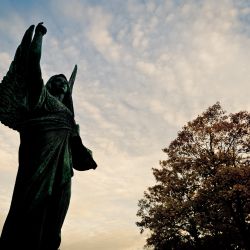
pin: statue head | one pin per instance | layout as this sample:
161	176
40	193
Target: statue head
61	88
58	86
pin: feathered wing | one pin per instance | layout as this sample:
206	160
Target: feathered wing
13	88
68	102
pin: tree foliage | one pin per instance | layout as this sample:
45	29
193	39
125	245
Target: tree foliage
201	199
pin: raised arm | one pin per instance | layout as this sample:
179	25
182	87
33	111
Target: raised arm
33	68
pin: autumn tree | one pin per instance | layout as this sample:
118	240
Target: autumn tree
201	199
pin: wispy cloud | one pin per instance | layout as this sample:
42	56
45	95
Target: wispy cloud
145	69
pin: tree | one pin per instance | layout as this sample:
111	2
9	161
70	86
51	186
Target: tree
201	199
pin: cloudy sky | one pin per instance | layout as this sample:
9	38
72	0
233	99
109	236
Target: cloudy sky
145	69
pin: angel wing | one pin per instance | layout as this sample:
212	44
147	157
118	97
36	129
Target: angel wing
17	92
72	78
68	100
13	86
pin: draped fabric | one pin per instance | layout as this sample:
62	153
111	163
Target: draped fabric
45	163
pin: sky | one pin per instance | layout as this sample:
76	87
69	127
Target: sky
145	68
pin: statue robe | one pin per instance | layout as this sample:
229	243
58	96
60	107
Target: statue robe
45	167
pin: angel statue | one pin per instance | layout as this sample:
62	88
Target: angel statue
50	147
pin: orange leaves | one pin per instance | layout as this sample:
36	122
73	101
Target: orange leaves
203	187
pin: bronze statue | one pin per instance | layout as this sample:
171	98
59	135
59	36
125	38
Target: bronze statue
50	146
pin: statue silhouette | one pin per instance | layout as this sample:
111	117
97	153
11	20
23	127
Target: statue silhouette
50	146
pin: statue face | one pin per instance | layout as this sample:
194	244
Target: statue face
59	86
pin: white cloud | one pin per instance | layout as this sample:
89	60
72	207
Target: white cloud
100	36
146	68
97	22
5	60
12	25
